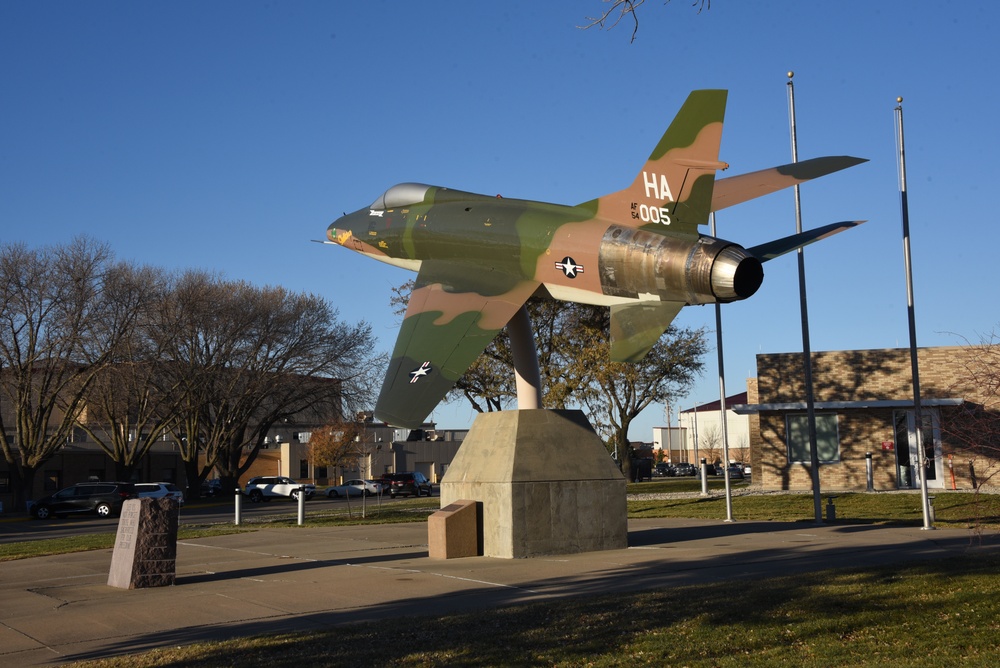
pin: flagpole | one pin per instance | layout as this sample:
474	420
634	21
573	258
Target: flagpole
722	399
920	467
803	307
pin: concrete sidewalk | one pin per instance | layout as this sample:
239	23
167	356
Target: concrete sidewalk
58	609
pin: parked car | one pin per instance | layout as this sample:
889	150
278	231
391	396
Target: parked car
102	498
355	488
664	470
735	472
211	487
711	470
415	484
265	488
159	490
685	469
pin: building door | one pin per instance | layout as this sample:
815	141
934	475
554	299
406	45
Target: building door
907	458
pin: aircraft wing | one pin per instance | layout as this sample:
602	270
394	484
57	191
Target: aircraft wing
737	189
453	314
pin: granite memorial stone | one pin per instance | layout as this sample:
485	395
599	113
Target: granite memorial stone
145	552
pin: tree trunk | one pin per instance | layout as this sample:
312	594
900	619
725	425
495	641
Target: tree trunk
123	471
23	483
192	479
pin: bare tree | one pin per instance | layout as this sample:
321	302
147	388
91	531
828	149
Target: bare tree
710	444
618	9
615	393
62	311
126	405
246	359
974	427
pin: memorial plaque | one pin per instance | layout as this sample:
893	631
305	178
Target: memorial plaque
146	545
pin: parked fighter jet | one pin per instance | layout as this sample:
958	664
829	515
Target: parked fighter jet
479	258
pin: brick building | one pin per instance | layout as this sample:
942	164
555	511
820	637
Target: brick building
864	404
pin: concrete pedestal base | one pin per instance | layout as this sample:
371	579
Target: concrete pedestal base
546	483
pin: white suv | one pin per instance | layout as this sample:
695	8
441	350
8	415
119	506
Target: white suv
265	488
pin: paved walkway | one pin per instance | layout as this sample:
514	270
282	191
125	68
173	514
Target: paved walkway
58	609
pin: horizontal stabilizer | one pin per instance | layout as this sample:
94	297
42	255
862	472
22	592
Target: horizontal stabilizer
635	328
736	189
773	249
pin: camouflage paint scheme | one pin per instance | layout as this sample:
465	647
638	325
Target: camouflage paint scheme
479	258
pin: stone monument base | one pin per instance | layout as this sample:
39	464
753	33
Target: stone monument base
453	531
146	545
545	481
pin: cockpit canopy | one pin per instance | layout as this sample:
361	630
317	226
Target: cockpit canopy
403	194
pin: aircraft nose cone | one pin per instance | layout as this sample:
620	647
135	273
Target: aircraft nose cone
340	230
338	235
736	274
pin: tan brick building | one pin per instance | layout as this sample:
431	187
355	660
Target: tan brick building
863	404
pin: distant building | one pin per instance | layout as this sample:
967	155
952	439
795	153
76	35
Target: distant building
699	434
285	451
863	404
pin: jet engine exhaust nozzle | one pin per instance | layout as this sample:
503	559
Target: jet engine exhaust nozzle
736	274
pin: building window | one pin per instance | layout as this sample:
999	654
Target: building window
827	438
303	468
4	482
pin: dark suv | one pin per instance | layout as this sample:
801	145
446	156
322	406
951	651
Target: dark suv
415	483
103	498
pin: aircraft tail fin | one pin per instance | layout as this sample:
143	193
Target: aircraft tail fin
674	187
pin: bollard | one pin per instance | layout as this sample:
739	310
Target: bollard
930	509
238	501
302	505
831	510
704	477
870	471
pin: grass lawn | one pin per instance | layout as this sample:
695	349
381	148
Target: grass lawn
952	509
937	613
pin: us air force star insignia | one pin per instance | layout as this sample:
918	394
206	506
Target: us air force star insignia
420	372
569	267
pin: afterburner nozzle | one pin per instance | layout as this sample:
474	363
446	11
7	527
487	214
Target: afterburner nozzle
735	274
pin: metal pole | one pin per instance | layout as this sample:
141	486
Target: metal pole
870	472
722	400
302	505
921	466
670	452
238	503
804	309
695	430
704	477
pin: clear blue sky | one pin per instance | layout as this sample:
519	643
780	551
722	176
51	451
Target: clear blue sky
226	135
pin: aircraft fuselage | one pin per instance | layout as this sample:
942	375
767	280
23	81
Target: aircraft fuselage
573	254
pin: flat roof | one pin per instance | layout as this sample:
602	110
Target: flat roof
746	409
